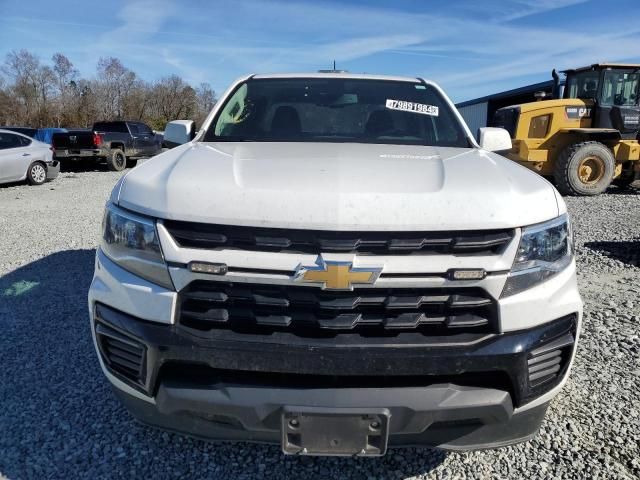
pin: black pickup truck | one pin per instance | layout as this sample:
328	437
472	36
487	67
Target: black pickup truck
120	144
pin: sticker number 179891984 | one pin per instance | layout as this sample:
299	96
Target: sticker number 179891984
412	107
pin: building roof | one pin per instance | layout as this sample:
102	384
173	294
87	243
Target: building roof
508	93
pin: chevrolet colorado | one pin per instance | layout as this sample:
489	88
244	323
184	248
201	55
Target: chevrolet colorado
334	264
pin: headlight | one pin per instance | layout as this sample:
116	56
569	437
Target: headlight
545	249
132	242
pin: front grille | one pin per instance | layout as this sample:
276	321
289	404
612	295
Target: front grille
207	236
254	308
548	362
122	354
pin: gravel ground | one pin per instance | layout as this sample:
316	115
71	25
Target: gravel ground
59	419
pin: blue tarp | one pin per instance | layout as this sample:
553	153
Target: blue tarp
46	134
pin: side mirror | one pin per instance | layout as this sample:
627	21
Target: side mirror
179	132
494	139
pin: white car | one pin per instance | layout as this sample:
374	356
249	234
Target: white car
335	264
23	158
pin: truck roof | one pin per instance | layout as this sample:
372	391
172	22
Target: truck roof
602	65
337	74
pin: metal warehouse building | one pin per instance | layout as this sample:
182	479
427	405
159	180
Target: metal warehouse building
479	112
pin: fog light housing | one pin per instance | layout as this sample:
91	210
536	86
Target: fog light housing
210	268
466	274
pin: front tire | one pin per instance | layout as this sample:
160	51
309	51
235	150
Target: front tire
585	168
117	161
37	173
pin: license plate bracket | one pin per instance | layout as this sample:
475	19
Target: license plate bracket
318	431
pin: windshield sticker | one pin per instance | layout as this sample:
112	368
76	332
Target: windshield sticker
412	107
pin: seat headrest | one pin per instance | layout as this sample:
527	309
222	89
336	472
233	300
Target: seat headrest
286	121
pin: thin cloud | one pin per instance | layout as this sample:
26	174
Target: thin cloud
527	8
472	48
140	20
193	75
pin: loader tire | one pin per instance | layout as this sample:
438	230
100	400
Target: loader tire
585	168
116	161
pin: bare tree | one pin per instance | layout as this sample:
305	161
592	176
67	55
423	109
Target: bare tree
65	76
37	94
174	98
205	100
114	83
137	105
83	108
32	87
21	68
6	104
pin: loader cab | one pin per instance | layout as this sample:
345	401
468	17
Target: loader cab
614	91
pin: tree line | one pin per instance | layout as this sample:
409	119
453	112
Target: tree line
39	94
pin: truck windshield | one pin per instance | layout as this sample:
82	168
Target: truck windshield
582	85
620	87
337	110
114	127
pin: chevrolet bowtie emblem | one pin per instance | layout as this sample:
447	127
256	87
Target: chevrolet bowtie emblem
332	275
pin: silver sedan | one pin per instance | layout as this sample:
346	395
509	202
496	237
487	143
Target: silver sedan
23	158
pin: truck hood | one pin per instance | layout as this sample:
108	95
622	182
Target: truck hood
338	187
555	103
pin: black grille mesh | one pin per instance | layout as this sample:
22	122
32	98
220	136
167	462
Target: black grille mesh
122	354
262	308
200	235
548	362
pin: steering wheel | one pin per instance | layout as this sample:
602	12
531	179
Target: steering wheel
619	99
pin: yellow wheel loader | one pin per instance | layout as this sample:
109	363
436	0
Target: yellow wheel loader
585	138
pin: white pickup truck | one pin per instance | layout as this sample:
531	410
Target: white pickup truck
334	264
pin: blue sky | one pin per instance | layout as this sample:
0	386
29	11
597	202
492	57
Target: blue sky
471	47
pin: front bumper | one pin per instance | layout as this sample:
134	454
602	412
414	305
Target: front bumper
233	386
230	387
444	416
80	153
